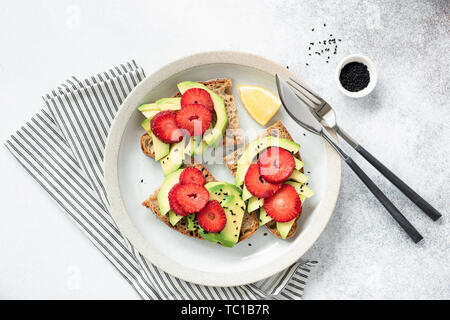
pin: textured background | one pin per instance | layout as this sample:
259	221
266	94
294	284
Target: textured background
405	122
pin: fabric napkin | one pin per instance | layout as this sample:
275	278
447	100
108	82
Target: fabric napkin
62	147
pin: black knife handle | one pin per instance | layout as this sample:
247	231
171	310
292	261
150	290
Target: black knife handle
403	187
393	211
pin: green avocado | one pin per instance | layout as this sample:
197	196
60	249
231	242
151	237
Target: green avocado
163	195
246	194
190	147
161	105
212	136
284	228
146	125
256	147
161	148
297	176
229	197
298	164
174	218
263	216
175	158
149	114
301	189
254	203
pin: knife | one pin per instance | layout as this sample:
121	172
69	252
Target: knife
301	114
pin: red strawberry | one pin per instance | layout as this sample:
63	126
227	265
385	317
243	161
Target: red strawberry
212	218
257	185
174	203
192	197
284	205
192	175
276	164
195	118
164	126
197	96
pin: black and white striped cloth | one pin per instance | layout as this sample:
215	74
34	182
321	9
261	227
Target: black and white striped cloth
62	146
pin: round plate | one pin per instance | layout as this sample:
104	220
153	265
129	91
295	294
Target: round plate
201	262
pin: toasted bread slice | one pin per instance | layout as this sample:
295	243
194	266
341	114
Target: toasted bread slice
275	130
224	88
249	223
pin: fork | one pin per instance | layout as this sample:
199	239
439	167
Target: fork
326	115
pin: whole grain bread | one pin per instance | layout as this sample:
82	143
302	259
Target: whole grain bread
249	223
233	136
275	130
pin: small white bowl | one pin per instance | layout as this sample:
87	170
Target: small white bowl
372	72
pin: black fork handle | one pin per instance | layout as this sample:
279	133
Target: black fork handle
390	207
403	187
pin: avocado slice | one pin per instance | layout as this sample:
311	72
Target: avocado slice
215	186
297	176
246	194
163	194
298	164
175	158
161	148
284	228
176	101
263	216
174	218
190	147
149	114
302	189
212	136
229	197
161	104
146	125
254	203
256	147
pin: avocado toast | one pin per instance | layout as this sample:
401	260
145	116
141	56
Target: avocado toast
239	223
240	165
220	87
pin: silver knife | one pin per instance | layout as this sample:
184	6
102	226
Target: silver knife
301	114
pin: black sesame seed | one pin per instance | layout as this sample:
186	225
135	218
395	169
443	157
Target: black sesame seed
265	233
249	244
142	180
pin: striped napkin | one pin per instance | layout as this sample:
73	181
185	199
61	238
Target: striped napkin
62	146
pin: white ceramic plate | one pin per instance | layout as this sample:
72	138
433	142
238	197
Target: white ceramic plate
195	260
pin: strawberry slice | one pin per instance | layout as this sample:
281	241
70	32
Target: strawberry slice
192	175
195	118
257	185
173	203
197	96
164	126
284	205
212	218
192	197
276	164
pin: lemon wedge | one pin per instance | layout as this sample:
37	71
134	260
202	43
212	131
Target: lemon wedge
260	103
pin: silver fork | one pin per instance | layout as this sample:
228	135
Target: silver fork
325	114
